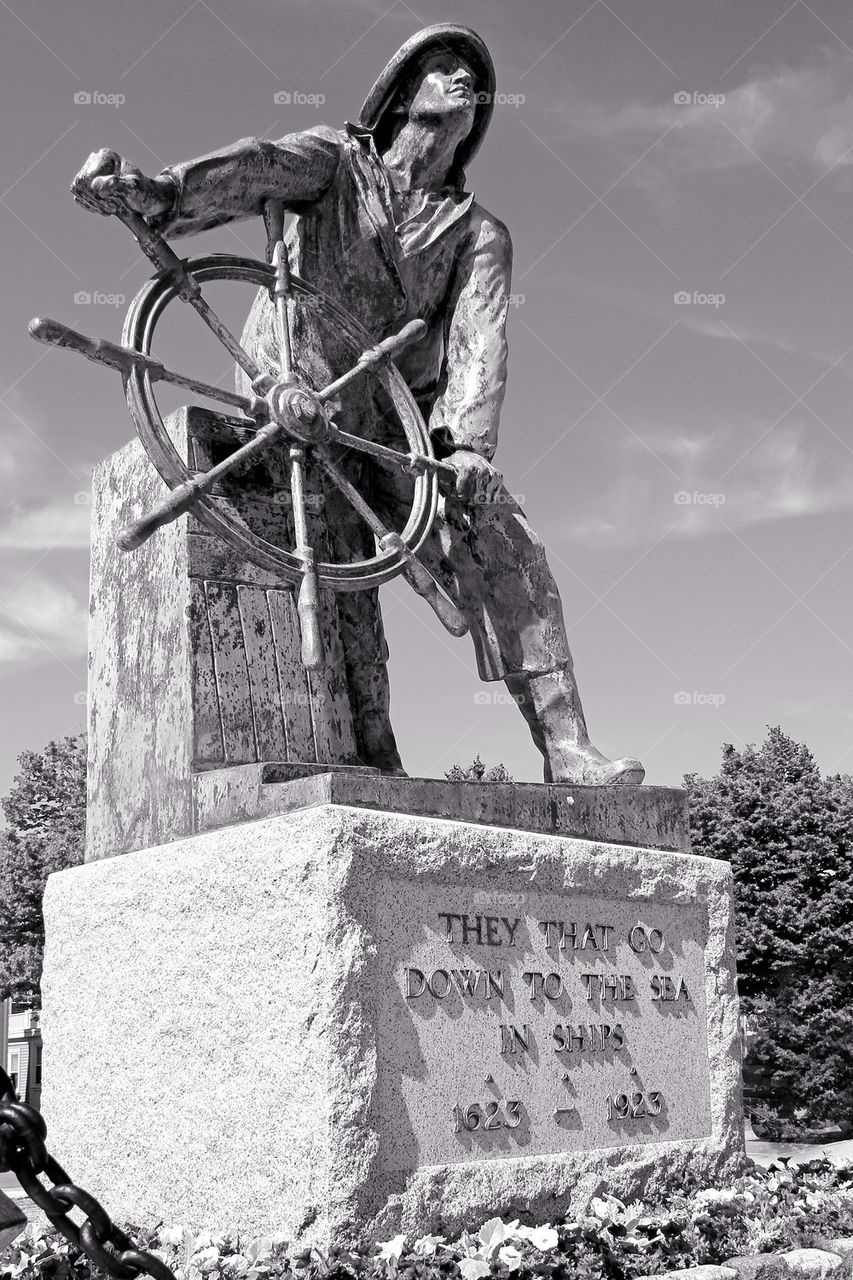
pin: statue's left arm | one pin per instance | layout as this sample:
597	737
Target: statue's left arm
466	412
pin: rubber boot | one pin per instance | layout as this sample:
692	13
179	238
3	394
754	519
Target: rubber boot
551	705
370	700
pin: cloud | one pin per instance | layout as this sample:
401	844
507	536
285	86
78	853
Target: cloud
779	479
786	115
60	526
41	621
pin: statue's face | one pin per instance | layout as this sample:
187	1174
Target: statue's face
444	86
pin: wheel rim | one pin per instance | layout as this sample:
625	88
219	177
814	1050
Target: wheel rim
139	328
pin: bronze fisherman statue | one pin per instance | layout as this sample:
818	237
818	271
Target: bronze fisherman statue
386	229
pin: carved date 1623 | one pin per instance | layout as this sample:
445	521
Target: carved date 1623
489	1116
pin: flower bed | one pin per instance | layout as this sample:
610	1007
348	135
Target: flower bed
766	1211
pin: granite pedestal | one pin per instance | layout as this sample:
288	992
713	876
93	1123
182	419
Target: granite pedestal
344	1022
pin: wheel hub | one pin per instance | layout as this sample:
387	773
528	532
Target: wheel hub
299	411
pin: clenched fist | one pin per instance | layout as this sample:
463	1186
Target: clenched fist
476	479
107	183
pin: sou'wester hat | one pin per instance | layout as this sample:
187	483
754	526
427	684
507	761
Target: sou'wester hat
443	37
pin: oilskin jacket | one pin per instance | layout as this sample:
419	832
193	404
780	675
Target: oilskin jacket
449	265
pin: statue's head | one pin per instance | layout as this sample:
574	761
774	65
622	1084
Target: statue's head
443	75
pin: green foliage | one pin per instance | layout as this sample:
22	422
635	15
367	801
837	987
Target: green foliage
764	1211
788	834
46	816
476	771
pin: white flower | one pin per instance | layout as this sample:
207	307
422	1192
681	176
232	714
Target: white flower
474	1268
542	1238
493	1233
391	1249
236	1265
427	1245
206	1260
510	1257
173	1236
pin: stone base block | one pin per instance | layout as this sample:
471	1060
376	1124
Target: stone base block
343	1023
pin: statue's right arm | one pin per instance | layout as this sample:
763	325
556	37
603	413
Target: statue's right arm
226	185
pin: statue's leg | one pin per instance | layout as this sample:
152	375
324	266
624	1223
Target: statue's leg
366	653
493	566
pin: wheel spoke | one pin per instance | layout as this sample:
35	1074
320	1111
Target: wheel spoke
392	458
225	336
413	571
282	317
308	601
125	359
185	495
164	258
373	356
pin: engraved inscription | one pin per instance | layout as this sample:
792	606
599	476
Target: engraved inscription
528	1023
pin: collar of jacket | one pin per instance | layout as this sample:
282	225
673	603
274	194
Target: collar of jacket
439	212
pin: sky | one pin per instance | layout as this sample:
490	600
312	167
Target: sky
677	178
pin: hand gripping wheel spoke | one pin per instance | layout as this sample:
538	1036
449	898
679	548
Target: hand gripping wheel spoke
283	410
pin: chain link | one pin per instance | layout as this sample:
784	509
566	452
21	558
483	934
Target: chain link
23	1151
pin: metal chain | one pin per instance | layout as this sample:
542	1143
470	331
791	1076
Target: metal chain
22	1150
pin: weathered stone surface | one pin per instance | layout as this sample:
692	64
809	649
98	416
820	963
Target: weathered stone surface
193	653
759	1266
262	1069
653	817
813	1264
697	1273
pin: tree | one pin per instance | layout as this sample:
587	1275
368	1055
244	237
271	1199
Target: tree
788	834
46	816
476	771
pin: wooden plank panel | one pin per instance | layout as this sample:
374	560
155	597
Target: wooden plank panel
331	713
293	682
211	560
207	724
263	674
232	672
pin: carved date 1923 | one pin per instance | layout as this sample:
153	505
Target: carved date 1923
634	1106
